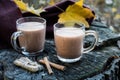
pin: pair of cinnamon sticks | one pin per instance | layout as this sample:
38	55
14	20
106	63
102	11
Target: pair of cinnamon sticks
49	64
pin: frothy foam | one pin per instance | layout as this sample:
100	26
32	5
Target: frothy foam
69	32
30	26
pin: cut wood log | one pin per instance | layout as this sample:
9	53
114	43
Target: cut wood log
90	66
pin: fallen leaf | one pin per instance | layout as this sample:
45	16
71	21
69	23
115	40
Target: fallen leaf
72	18
33	6
21	4
52	2
76	13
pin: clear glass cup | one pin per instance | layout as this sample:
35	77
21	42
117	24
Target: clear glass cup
69	41
30	35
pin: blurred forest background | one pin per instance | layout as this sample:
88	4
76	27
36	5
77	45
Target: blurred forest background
108	11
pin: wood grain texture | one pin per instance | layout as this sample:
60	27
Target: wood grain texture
90	67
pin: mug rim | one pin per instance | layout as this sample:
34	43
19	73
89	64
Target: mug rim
79	23
44	20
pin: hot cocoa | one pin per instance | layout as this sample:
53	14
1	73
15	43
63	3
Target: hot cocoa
69	42
33	36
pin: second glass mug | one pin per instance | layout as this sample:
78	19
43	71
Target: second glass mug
69	41
30	34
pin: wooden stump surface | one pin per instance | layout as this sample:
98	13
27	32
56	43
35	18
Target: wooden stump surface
89	65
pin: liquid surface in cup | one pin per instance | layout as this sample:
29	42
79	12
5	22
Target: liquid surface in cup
69	42
33	37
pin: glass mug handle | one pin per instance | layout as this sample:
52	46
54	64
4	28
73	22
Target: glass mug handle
91	47
14	43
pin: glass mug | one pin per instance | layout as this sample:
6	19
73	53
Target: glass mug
69	41
30	35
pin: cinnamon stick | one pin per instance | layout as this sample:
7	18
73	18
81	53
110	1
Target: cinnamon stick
48	65
57	66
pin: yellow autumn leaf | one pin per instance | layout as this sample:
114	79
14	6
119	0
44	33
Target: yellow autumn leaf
21	5
52	2
77	13
71	17
25	7
80	3
34	6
